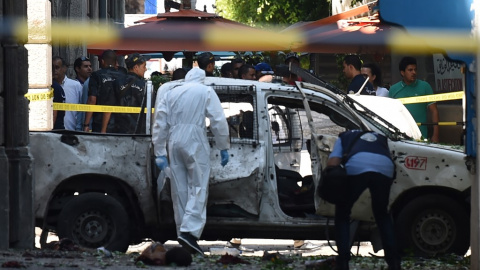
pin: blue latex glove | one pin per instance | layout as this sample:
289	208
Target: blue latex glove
161	162
224	156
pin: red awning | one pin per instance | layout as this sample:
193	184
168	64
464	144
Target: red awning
363	35
191	30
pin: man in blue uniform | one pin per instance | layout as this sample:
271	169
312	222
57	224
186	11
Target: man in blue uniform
368	165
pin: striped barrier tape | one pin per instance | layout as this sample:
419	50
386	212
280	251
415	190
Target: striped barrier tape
121	109
94	108
433	98
80	107
40	96
442	124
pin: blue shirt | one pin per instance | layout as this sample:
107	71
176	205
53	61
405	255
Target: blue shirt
363	162
357	83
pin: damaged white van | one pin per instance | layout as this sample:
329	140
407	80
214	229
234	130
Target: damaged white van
102	189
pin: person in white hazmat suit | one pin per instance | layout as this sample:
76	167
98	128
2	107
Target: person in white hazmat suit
180	123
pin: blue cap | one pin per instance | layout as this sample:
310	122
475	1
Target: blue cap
264	68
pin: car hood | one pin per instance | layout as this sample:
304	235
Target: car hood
391	110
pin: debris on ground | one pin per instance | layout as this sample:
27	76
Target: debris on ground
12	264
230	259
323	264
276	258
63	244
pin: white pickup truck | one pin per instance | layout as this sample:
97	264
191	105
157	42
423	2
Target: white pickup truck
102	189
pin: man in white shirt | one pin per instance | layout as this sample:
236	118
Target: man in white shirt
72	88
83	69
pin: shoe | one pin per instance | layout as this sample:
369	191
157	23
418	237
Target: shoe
298	243
236	241
341	264
396	266
189	243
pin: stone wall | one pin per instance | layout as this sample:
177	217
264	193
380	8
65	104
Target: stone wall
40	63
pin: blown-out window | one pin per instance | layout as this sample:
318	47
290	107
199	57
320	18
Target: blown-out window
239	105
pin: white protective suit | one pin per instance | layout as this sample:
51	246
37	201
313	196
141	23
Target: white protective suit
180	118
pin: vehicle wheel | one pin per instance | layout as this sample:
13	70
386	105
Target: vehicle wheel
94	220
431	225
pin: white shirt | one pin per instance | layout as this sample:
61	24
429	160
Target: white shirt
382	92
73	94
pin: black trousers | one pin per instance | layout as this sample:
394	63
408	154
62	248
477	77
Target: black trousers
379	186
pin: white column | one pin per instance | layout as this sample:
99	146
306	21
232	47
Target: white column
39	63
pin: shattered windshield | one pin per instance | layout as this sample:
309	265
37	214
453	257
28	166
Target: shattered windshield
368	115
380	123
317	84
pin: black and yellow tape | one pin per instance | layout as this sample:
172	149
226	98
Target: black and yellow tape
80	107
441	124
94	108
433	98
120	109
40	96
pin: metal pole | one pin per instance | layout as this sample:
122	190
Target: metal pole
149	107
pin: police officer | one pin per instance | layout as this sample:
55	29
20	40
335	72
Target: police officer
368	165
206	61
132	94
103	89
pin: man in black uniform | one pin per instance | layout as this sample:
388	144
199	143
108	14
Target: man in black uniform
58	97
132	94
103	89
206	61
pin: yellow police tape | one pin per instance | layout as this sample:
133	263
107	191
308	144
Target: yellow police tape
40	96
433	98
120	109
95	108
81	107
442	124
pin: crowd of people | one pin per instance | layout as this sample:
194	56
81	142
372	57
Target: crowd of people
365	79
112	85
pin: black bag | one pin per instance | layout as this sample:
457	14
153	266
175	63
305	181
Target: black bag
332	184
334	180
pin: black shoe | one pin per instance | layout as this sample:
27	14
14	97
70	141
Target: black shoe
189	243
396	266
341	264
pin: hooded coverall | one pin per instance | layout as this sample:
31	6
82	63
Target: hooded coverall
180	119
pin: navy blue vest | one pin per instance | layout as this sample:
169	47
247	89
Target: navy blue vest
379	146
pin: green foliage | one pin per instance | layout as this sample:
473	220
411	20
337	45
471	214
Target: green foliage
158	80
341	82
279	12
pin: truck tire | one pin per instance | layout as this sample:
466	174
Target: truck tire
95	220
432	225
